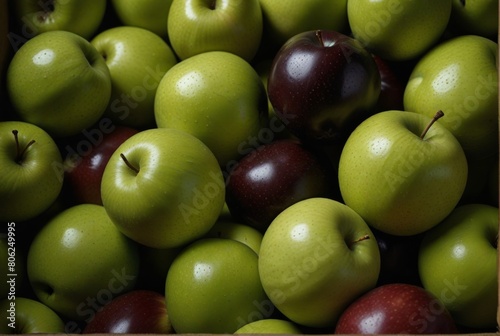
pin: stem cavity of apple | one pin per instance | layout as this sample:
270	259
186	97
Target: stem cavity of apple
127	162
438	115
47	8
213	4
365	237
20	153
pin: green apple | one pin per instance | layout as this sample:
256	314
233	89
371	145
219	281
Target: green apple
458	263
79	261
148	14
402	172
163	188
137	60
460	77
476	17
30	180
58	81
315	258
234	26
287	18
398	29
79	17
27	316
211	92
213	286
237	231
270	326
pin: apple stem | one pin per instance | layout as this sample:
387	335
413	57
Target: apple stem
438	115
127	162
319	36
213	5
19	153
365	237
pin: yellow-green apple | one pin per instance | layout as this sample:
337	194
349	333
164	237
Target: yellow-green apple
148	14
213	286
276	175
458	263
86	157
460	77
315	258
403	172
322	84
233	26
398	30
135	312
210	92
30	181
270	326
79	17
137	60
79	261
287	18
476	17
396	308
60	82
163	188
243	233
22	315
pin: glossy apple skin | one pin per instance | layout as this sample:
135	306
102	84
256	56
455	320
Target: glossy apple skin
84	171
396	309
322	84
273	177
135	312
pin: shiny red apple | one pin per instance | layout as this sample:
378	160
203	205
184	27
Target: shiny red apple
322	84
135	312
86	158
273	177
396	309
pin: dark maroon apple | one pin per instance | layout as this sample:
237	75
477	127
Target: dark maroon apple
135	312
322	84
391	88
398	258
86	158
396	309
273	177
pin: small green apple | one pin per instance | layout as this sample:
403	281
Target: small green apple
398	29
270	326
287	18
402	172
213	286
27	316
234	26
460	77
79	17
58	81
476	17
163	188
79	261
237	231
137	60
210	92
458	264
148	14
315	258
31	178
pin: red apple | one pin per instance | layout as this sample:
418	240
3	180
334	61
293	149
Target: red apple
272	178
87	156
135	312
322	84
396	309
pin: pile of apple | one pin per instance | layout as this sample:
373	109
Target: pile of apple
249	166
